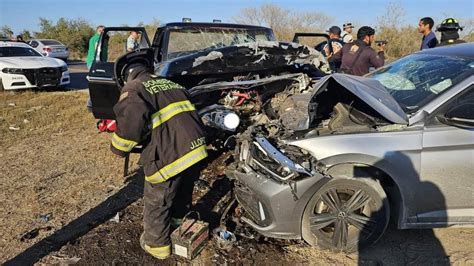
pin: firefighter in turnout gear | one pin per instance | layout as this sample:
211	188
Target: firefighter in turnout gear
158	112
449	32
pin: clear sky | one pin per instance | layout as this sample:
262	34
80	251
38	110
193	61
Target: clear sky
24	14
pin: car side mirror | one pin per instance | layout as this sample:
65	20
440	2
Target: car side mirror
459	116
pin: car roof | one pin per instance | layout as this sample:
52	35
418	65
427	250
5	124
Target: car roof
13	44
465	50
40	40
211	25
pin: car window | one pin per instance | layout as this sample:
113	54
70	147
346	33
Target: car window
114	45
34	44
465	102
17	51
51	42
417	79
190	40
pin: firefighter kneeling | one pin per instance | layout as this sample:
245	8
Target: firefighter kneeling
158	112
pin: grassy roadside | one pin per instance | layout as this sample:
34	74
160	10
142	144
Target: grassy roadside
42	114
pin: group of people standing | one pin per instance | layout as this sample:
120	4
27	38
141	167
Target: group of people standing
351	56
357	57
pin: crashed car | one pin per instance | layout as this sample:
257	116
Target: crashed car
333	165
325	158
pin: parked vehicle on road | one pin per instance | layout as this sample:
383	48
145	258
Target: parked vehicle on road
22	67
50	48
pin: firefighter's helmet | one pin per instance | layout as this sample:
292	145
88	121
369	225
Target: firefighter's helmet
449	24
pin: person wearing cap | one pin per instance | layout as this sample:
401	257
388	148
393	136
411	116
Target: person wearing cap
429	38
336	44
158	114
358	57
449	32
347	33
132	41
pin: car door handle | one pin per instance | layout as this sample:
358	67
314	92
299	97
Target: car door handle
100	70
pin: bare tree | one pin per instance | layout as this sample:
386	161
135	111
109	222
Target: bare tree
468	32
284	22
402	39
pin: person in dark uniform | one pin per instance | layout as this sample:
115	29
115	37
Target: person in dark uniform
449	32
358	56
158	114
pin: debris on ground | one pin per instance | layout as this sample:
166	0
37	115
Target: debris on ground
116	218
34	233
224	239
14	128
66	260
202	185
11	104
45	217
34	108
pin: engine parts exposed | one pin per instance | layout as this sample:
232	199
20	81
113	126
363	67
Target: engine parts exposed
219	117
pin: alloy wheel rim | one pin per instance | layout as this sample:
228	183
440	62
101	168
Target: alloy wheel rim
343	213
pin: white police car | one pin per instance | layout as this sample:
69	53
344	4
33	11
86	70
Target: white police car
22	67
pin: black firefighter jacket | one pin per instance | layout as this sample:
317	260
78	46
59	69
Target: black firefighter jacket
161	108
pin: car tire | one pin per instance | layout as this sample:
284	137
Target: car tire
346	214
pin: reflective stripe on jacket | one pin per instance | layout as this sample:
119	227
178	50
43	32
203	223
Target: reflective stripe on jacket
158	111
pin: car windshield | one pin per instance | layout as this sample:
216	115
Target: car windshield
417	79
51	42
190	40
17	51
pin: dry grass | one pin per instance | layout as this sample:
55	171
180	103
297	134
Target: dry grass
41	114
56	164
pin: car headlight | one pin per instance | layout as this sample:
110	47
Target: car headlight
220	117
264	156
63	68
12	70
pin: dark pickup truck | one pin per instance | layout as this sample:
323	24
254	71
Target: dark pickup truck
171	41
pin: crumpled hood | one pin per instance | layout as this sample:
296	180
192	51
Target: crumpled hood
371	92
30	62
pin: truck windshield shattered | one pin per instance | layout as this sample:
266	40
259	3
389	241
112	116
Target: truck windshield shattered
190	40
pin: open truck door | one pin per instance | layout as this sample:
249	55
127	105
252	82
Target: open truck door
111	57
317	41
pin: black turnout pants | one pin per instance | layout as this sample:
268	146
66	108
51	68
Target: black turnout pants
172	198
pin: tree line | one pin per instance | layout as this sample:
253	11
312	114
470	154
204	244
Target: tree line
402	39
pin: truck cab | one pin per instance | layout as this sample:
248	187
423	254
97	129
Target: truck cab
170	41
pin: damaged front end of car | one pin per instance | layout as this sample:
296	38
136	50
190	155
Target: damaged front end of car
274	174
262	99
271	182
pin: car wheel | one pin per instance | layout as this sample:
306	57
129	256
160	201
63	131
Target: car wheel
346	214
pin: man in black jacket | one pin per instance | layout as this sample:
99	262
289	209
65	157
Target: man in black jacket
158	112
358	57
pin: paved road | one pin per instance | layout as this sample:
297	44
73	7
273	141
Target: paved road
78	72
